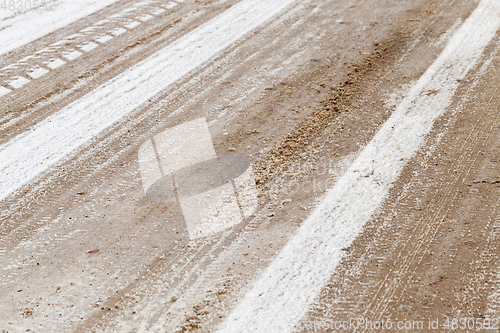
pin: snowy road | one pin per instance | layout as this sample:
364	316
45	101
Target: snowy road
22	24
348	151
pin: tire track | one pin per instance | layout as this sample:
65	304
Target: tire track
89	39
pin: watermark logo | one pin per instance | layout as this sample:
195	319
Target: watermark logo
179	165
21	6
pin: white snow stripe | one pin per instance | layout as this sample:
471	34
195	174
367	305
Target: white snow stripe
33	152
284	292
63	42
37	72
145	17
118	31
4	91
102	22
170	5
18	82
129	10
103	39
89	46
89	29
132	25
55	63
71	54
158	11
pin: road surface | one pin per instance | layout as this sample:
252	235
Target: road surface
250	166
